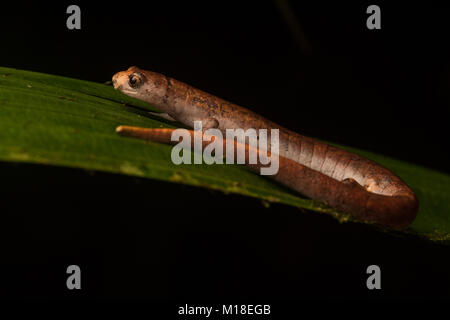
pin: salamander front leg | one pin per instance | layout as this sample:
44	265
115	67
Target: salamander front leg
210	123
164	116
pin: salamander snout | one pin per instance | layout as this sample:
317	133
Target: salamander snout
121	80
115	80
129	81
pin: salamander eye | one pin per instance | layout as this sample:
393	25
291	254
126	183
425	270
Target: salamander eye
135	80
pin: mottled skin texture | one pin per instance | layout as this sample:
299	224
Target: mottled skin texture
343	180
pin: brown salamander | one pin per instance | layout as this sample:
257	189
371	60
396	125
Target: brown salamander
346	181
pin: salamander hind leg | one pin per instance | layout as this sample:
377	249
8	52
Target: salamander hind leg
353	182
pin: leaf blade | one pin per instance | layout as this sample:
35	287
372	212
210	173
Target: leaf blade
60	121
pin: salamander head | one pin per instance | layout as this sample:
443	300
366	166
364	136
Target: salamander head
141	84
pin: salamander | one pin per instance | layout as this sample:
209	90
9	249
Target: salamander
343	180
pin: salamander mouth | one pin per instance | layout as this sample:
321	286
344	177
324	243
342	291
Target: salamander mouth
126	91
121	88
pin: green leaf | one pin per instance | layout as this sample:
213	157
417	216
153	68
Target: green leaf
60	121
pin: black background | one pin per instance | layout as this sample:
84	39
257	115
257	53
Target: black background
386	91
